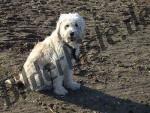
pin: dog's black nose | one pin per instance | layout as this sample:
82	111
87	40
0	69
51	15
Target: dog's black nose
72	34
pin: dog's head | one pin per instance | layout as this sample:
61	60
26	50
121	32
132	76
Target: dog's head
71	28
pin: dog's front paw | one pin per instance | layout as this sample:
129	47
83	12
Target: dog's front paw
73	85
60	91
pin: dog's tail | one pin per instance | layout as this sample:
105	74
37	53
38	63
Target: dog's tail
11	80
17	82
8	81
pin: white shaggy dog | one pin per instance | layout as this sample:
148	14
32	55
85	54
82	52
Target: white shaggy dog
55	52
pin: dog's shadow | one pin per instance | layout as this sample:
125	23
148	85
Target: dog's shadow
98	101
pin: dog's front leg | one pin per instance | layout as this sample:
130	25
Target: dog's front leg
68	80
58	86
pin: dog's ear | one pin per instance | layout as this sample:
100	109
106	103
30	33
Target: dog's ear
82	27
81	24
59	23
58	27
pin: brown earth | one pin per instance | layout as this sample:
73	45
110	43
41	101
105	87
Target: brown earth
115	78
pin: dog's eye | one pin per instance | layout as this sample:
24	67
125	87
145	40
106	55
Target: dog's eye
66	26
76	25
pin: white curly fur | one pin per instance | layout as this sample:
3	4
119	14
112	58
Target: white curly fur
51	49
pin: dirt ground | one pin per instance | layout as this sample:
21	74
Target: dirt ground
115	74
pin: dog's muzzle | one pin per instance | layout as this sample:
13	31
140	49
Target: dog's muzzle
74	38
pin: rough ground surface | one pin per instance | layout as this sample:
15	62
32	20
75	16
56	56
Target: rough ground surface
115	80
